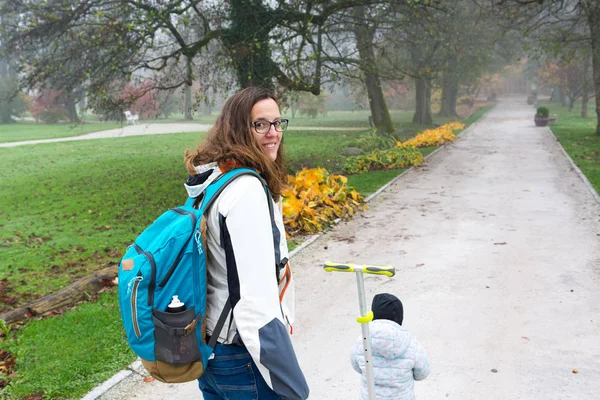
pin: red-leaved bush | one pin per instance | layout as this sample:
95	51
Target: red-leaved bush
49	106
144	100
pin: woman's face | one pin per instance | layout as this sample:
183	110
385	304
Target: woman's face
265	111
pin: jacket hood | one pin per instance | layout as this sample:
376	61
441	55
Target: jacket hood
388	339
205	175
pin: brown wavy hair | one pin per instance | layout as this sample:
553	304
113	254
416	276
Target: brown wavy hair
230	142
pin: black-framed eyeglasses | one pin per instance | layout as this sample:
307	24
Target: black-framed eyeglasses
263	126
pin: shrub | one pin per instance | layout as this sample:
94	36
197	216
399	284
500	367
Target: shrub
49	106
404	154
143	99
374	140
542	112
434	137
399	157
315	198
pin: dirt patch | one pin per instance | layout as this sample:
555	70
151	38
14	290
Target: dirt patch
6	299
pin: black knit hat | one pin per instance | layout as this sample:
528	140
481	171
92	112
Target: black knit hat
387	306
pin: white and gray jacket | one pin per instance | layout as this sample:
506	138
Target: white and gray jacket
241	267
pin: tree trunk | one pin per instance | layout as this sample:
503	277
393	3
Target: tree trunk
585	90
449	90
555	94
70	106
188	102
381	115
294	100
572	99
423	103
188	91
593	14
364	38
563	97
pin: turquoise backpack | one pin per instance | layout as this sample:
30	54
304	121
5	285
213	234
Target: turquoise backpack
168	259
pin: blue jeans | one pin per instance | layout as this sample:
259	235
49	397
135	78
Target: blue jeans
232	375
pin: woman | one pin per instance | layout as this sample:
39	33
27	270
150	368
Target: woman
253	357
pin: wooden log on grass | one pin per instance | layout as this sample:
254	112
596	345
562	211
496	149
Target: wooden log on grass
65	297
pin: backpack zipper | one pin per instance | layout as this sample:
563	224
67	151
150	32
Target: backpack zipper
182	251
153	277
136	328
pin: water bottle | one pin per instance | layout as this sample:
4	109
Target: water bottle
175	306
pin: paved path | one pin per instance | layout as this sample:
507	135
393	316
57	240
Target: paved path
497	247
149	129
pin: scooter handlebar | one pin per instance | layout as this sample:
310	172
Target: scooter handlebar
387	270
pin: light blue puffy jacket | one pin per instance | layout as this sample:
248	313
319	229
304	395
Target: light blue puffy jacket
398	361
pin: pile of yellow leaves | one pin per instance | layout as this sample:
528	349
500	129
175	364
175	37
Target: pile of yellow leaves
434	137
315	198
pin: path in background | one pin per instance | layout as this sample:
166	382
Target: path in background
496	242
152	129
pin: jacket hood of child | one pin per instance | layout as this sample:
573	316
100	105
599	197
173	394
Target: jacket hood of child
398	360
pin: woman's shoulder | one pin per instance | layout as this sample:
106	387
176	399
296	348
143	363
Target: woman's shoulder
244	182
246	188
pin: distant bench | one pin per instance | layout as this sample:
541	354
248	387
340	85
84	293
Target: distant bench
131	118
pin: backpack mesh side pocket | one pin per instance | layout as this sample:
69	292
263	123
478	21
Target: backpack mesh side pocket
173	343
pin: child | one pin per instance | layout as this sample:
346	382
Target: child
398	359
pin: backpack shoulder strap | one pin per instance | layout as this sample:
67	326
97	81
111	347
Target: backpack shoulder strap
214	189
225	180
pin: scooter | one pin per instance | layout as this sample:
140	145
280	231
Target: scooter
366	316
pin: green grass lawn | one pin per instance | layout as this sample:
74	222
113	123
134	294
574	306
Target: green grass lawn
578	138
65	357
74	210
21	131
360	119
